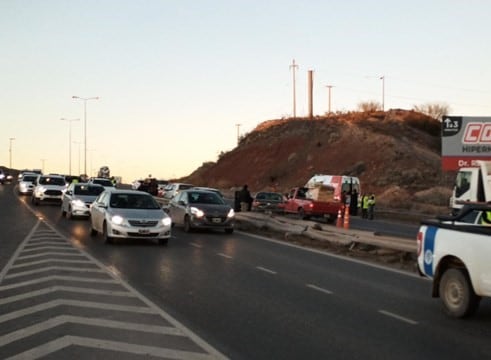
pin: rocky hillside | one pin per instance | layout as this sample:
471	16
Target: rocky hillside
396	155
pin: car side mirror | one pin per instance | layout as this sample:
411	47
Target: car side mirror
181	202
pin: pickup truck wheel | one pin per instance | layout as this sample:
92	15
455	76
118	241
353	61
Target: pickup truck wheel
301	213
457	294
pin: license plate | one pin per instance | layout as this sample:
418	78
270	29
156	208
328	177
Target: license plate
216	220
143	231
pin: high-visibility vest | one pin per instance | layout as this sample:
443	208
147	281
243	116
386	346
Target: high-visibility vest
365	202
486	218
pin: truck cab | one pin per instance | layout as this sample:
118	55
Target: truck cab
472	185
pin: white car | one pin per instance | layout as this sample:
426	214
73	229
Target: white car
26	183
173	189
48	188
77	199
118	213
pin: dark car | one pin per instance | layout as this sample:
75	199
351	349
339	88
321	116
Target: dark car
201	209
268	202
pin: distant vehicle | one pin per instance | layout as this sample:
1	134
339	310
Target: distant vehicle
26	182
118	213
101	181
161	184
104	172
2	177
173	189
48	188
199	209
304	203
265	201
78	197
340	184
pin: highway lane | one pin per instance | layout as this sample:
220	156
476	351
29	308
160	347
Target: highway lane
254	298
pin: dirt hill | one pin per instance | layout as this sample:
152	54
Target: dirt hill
396	155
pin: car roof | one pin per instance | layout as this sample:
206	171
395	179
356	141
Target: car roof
126	191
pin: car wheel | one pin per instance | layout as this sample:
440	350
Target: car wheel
458	296
35	201
163	241
187	224
301	213
107	239
63	212
93	232
229	231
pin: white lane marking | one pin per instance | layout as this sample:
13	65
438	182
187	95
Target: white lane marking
266	270
72	252
52	289
58	260
29	249
50	268
64	319
398	317
196	245
312	286
64	302
225	255
66	341
58	277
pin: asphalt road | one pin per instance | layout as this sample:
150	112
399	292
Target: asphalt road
245	297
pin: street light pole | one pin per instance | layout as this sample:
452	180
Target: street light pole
383	92
69	143
238	133
78	143
294	66
85	126
10	152
329	104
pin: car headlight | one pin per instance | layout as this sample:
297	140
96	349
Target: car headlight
78	202
231	213
197	212
40	189
166	221
117	219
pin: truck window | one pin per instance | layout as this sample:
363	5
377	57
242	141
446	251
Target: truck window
462	183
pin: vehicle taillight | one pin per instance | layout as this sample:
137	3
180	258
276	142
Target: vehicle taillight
419	240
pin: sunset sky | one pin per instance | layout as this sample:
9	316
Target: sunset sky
174	78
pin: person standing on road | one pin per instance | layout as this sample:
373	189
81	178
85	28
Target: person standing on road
245	199
371	206
364	206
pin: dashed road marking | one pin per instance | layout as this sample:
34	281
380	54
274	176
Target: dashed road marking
398	317
325	291
269	271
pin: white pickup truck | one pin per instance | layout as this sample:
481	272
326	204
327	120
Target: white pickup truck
455	252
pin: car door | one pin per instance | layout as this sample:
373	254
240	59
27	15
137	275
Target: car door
178	208
98	211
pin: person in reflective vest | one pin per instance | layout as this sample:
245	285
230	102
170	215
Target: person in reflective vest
371	206
364	206
486	218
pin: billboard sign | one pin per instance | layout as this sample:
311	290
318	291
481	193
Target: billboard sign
465	139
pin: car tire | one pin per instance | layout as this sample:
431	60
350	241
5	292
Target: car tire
69	214
163	241
456	292
63	212
107	239
187	224
301	214
229	231
93	232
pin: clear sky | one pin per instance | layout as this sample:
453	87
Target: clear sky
174	78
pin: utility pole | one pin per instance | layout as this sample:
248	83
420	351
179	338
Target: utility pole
10	152
311	92
329	87
294	66
383	92
238	133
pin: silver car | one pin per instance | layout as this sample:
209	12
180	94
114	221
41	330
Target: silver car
26	183
76	200
201	209
48	188
118	213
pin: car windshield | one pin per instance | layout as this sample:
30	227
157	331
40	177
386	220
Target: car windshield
88	190
269	197
103	182
204	198
52	181
133	201
30	178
